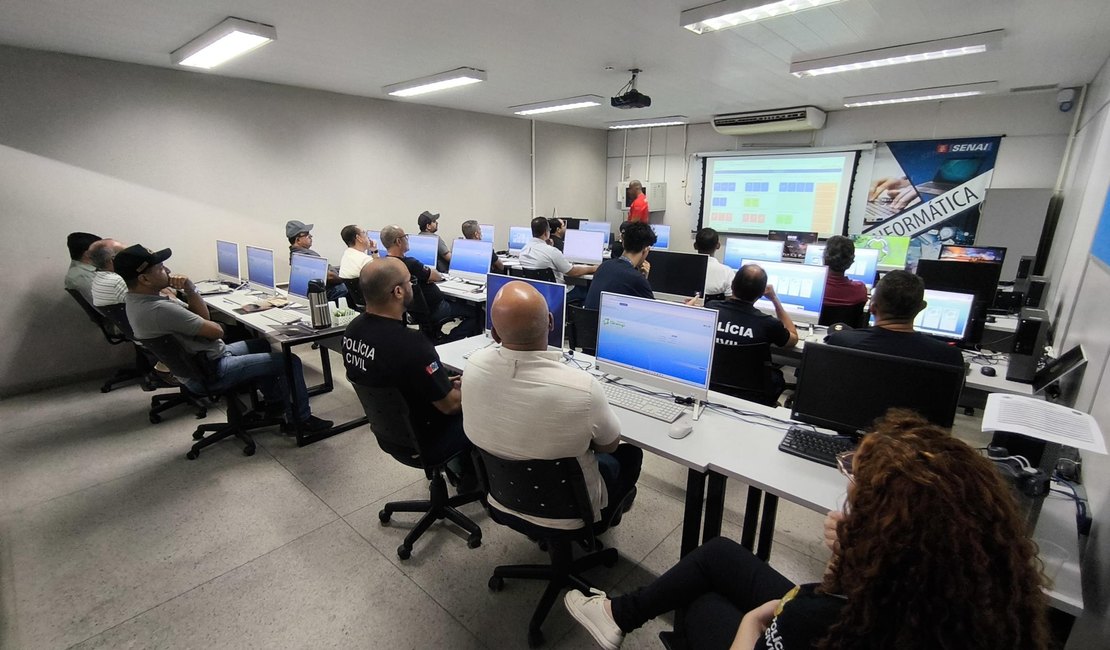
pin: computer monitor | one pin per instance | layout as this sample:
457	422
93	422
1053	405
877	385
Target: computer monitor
227	261
584	246
845	389
489	231
738	249
675	275
795	243
470	259
424	248
597	226
554	293
376	237
302	269
947	315
992	254
863	269
976	278
518	237
662	235
893	251
573	223
663	344
800	288
1060	378
260	269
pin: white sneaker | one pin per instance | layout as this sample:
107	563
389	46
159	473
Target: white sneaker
589	611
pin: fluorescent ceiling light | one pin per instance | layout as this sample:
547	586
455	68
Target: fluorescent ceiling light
731	13
673	120
912	53
570	103
229	39
430	84
922	94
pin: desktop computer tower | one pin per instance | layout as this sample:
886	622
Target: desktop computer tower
1028	348
1024	272
1037	292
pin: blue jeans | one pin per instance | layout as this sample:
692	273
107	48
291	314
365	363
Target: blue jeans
253	359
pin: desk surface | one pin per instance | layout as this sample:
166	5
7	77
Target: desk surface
463	291
260	323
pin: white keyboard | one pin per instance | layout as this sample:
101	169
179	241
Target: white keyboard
241	298
649	405
282	316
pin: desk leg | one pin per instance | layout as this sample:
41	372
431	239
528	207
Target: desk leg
751	518
767	526
302	438
714	506
691	518
325	363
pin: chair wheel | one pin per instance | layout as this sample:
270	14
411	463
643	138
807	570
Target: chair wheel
383	516
155	418
202	413
106	388
496	583
535	638
248	451
474	541
198	434
192	455
404	552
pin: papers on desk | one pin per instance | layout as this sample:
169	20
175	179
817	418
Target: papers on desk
1042	420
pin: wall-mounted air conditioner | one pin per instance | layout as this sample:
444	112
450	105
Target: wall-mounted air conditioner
799	118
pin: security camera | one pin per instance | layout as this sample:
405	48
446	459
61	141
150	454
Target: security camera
1066	99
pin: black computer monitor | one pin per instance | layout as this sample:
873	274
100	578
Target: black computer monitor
573	223
976	278
846	390
796	243
677	275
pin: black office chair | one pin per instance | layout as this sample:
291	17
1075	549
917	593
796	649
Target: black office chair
546	275
851	315
240	419
161	402
552	489
354	294
389	421
420	315
746	371
713	297
113	336
582	324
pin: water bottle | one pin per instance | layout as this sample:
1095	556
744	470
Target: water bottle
318	305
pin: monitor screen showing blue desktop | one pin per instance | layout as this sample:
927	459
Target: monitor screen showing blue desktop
376	237
800	287
303	268
665	344
554	293
470	259
488	231
738	249
597	226
260	268
863	269
519	236
946	314
424	248
662	236
227	260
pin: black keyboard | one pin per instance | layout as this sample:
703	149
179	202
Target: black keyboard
818	447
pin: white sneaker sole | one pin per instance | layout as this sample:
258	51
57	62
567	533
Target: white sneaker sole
589	626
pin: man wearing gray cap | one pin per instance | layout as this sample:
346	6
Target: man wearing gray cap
429	225
300	242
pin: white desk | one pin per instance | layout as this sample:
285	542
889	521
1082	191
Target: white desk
463	291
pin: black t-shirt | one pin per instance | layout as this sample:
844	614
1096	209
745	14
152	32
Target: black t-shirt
803	618
739	323
382	352
910	345
617	276
421	276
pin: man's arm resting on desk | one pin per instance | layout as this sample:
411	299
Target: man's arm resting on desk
451	403
604	426
581	269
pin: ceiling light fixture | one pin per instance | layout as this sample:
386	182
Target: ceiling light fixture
731	13
673	120
231	38
570	103
922	94
911	53
432	83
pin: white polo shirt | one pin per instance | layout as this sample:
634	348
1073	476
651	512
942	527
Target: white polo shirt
529	405
353	261
538	254
718	278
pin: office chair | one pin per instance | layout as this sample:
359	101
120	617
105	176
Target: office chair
114	337
161	402
583	328
851	315
713	297
240	420
354	294
546	275
745	371
389	421
553	489
418	314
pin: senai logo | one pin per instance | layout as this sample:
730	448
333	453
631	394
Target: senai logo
964	148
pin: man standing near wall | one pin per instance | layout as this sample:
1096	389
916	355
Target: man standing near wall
638	211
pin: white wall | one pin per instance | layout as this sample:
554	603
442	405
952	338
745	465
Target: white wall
170	158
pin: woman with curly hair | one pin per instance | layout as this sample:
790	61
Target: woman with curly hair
930	552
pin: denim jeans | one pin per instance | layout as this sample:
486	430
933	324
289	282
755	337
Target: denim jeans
253	359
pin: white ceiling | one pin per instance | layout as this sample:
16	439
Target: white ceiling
535	50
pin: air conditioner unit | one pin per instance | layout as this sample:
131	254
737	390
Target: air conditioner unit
799	118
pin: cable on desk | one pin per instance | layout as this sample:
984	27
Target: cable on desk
1082	519
752	417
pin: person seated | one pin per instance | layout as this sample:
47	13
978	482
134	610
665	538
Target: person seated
383	352
107	288
79	277
718	277
504	385
558	229
471	230
152	315
627	274
360	251
841	291
896	301
396	244
428	223
929	552
300	242
538	254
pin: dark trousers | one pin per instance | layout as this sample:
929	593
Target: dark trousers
620	470
717	584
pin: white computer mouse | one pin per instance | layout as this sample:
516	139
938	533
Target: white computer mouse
681	428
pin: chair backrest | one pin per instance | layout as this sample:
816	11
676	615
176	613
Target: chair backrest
742	370
553	489
111	335
117	313
713	297
583	328
851	315
182	363
354	294
547	275
388	413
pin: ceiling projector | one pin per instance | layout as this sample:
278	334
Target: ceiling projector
632	98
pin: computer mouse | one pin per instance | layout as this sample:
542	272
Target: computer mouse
681	428
992	319
988	371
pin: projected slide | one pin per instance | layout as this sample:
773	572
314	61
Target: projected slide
798	192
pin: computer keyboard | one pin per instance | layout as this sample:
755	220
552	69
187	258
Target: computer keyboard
649	405
281	316
819	447
240	298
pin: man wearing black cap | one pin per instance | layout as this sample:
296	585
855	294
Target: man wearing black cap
81	271
300	242
152	315
429	224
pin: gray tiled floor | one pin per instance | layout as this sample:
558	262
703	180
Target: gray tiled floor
110	538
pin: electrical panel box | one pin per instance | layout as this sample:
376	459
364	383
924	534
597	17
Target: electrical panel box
656	196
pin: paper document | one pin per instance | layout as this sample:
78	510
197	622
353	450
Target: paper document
1042	420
